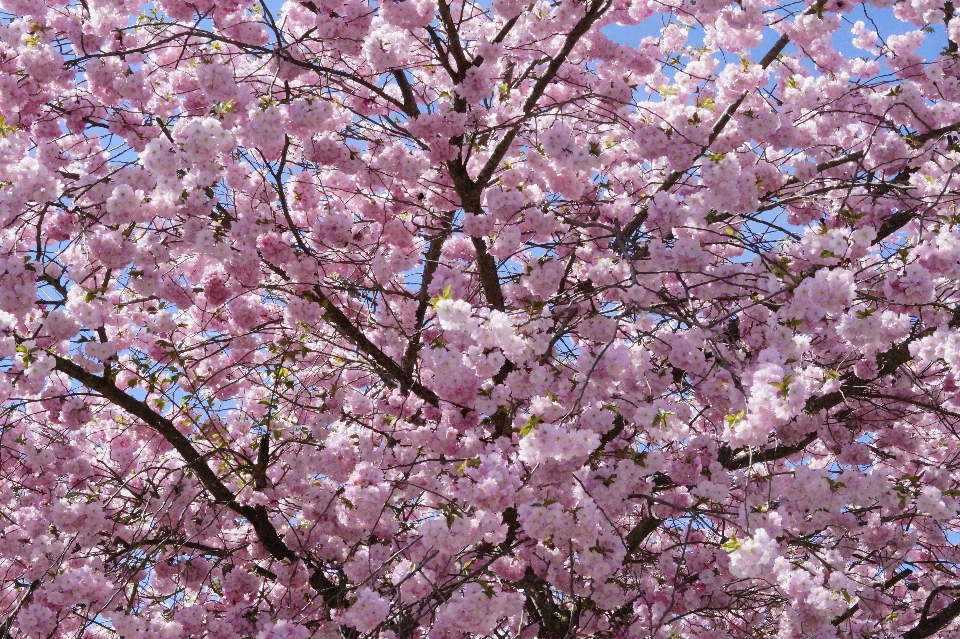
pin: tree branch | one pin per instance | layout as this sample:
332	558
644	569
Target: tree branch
388	368
453	40
595	12
852	610
431	261
644	528
852	386
409	99
930	625
258	517
737	460
347	328
634	225
489	277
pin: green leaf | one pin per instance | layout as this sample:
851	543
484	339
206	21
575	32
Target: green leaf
835	485
734	419
784	386
531	424
661	418
223	108
913	140
732	545
545	503
4	129
470	463
445	295
850	216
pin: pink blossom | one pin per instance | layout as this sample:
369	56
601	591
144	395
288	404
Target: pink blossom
460	320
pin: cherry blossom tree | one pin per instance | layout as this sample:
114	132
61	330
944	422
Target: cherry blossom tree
346	318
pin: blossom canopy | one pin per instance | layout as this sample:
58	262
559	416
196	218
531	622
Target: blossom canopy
441	318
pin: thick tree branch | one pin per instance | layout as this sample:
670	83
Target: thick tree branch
453	40
644	528
430	263
852	386
258	516
489	277
263	461
739	459
595	11
390	369
930	625
852	610
7	625
949	11
553	619
409	99
347	328
673	177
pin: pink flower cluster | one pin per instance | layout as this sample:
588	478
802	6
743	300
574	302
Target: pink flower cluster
453	320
